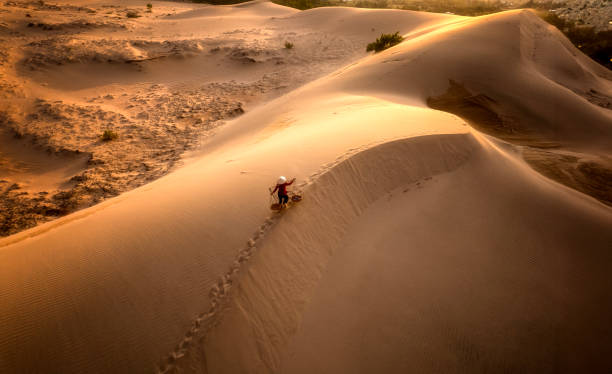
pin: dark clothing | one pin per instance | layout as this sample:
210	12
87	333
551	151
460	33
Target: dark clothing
282	199
282	188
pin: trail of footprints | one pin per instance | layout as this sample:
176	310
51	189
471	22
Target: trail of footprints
219	293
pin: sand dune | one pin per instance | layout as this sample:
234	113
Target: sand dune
386	280
426	242
161	84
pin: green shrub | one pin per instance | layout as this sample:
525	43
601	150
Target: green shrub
374	4
109	135
385	41
305	4
149	7
288	45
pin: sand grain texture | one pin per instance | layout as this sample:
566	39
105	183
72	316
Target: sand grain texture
455	218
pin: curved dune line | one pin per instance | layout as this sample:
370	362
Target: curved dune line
336	195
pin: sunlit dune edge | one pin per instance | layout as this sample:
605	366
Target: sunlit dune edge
454	217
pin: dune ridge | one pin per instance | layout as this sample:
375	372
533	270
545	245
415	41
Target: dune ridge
268	301
421	244
356	170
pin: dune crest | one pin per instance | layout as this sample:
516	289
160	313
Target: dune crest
432	236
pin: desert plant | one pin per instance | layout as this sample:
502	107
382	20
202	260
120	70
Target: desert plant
149	7
304	4
288	45
375	4
109	135
132	14
385	41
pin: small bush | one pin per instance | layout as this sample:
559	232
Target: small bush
375	4
385	41
132	14
288	45
149	7
109	135
305	4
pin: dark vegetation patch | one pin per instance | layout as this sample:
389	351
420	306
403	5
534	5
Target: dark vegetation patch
596	45
459	7
20	211
385	41
108	135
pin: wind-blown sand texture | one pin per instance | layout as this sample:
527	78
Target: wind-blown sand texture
456	189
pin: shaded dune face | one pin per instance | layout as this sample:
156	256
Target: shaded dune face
479	110
421	244
295	251
518	76
568	144
584	172
329	331
589	172
344	291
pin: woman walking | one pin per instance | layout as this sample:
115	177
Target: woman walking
281	187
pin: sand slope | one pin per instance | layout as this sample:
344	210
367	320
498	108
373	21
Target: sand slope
411	270
163	82
421	245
